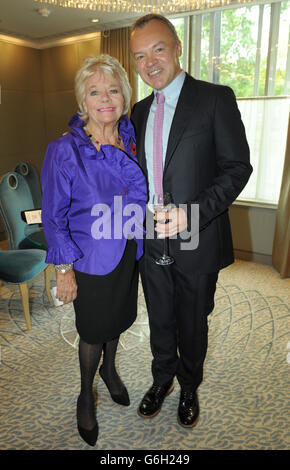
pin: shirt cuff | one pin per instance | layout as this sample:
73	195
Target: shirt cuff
63	255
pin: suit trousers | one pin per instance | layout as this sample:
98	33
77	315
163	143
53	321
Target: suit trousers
178	301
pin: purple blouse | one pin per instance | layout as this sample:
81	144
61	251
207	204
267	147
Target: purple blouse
92	201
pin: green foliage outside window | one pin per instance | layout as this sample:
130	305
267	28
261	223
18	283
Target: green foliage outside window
238	63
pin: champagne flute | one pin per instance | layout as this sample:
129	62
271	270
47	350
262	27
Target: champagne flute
160	202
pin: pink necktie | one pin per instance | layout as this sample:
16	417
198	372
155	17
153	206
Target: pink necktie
157	145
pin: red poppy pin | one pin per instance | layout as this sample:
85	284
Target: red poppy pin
133	147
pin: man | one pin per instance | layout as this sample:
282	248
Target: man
205	162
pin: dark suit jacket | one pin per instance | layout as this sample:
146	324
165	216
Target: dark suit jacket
207	162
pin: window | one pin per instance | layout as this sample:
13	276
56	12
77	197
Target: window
246	48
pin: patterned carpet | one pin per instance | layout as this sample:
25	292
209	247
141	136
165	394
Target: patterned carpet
244	397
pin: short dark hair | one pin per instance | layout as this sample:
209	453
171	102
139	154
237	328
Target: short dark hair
141	22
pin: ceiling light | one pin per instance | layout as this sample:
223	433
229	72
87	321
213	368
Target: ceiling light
141	6
45	12
95	20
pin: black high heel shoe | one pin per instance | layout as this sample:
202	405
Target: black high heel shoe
90	437
121	398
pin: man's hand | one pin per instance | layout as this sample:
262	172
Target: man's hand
177	222
66	286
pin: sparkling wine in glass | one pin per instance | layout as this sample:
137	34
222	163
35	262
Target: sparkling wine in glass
162	203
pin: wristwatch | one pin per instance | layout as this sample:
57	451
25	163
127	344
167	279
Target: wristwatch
63	268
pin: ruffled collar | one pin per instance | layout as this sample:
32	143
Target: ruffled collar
126	129
122	167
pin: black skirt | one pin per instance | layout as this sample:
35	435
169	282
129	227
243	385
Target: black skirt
106	305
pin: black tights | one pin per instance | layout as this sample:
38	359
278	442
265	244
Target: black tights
89	357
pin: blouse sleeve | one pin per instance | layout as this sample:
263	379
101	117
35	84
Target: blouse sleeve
56	179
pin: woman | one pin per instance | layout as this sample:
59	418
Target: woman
91	181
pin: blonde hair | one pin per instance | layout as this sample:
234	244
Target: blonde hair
108	65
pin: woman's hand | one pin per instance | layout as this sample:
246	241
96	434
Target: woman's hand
66	286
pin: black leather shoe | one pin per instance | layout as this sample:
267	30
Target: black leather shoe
122	398
188	409
153	399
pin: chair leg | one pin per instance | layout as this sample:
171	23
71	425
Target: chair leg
47	274
9	286
25	303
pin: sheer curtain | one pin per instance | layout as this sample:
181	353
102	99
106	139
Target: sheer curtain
266	123
281	246
116	44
